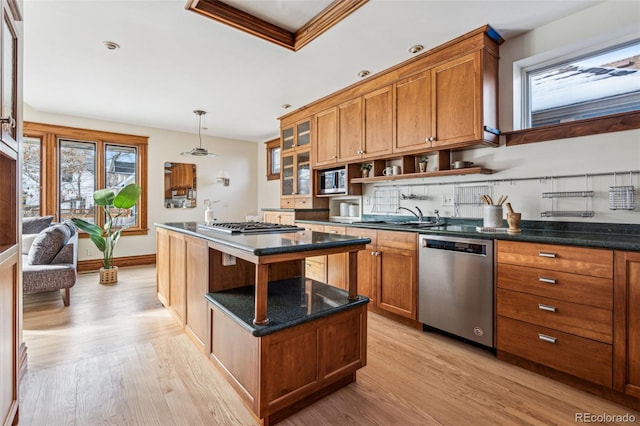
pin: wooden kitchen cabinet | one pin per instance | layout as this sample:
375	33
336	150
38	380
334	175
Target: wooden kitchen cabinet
182	272
163	263
296	179
448	105
282	218
414	113
196	286
357	129
177	280
12	349
378	123
554	307
627	323
325	143
337	264
315	267
389	271
350	130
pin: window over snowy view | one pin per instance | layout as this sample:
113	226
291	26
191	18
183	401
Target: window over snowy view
604	83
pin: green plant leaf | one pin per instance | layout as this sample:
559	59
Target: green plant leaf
100	242
87	227
127	197
104	197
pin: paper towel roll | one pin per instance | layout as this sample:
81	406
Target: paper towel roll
208	216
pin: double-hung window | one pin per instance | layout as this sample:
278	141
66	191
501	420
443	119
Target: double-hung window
63	166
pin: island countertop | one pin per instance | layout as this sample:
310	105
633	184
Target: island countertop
266	244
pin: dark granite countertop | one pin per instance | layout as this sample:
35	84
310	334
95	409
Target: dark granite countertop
599	235
290	302
268	243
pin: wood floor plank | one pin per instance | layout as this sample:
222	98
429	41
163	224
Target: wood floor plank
117	357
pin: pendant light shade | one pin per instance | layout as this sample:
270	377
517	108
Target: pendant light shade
199	151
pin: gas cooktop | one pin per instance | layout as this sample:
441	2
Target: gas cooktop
248	227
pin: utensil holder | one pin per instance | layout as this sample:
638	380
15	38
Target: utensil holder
492	216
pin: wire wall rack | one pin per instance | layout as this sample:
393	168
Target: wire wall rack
467	202
386	200
622	197
586	194
568	194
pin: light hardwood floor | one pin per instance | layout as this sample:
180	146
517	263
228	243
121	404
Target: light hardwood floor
116	356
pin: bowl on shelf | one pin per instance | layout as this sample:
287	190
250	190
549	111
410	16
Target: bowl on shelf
461	164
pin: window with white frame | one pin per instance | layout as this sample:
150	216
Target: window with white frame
598	84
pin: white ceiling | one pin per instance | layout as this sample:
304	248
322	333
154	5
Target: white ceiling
173	61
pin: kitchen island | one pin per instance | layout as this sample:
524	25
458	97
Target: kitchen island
281	340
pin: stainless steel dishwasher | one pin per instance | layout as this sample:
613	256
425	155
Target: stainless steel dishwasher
455	290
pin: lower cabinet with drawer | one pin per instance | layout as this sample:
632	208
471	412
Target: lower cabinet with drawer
554	307
387	271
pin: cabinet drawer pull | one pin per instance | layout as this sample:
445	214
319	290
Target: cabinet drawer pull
548	308
547	280
373	253
333	232
546	338
544	254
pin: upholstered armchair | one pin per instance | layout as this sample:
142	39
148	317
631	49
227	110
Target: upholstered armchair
49	261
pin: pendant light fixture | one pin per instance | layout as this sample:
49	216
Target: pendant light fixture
199	151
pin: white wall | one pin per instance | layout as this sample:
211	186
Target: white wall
268	190
238	158
619	151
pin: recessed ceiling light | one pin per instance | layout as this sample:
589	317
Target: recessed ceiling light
364	73
111	45
417	48
286	106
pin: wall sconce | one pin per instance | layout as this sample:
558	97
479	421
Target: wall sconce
223	177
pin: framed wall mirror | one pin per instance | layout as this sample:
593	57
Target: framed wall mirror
179	185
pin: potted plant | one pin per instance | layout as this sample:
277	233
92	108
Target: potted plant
364	168
114	206
422	163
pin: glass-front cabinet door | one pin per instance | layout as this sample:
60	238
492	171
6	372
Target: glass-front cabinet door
287	177
303	170
288	141
303	133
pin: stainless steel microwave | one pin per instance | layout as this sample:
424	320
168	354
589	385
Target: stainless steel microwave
333	182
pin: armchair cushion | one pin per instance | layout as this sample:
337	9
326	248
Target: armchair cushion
33	225
47	244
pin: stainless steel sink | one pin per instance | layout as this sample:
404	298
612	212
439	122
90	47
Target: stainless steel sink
415	223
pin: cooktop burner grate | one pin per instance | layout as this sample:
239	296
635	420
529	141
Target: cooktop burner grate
249	227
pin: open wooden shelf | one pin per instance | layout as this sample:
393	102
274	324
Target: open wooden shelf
453	172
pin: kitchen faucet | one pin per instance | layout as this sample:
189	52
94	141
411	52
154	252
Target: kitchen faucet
418	215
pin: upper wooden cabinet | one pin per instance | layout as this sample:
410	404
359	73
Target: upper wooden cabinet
444	99
357	129
349	130
414	113
378	123
448	106
325	145
296	179
297	135
458	102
